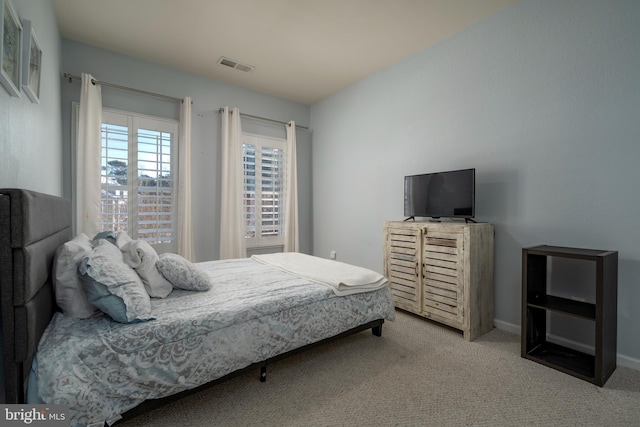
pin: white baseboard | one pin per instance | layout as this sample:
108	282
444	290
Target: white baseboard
628	362
508	327
621	360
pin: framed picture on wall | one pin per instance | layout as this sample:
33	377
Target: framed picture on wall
10	52
31	62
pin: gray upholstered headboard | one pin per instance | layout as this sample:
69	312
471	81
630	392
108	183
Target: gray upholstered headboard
32	226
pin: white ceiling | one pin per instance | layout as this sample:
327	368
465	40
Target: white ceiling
302	50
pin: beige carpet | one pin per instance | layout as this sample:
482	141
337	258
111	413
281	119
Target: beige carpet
417	374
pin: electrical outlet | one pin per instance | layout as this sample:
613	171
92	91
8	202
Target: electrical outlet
332	254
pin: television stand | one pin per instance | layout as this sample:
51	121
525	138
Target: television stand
443	272
411	218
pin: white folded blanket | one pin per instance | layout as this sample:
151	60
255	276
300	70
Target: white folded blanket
343	279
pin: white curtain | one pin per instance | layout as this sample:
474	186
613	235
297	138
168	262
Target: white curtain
88	158
185	225
232	243
291	233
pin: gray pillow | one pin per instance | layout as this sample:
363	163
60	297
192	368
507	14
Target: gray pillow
106	235
71	296
113	286
182	273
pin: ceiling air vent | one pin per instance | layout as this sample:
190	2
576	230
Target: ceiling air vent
235	64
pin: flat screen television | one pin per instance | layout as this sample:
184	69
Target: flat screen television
448	194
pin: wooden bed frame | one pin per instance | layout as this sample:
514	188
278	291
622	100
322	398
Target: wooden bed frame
32	226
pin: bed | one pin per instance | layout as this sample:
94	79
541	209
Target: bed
257	311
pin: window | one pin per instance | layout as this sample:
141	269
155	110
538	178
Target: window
138	177
264	168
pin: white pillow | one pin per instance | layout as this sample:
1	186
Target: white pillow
139	255
122	238
70	294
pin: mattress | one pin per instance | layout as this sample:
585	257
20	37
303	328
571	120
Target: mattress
253	311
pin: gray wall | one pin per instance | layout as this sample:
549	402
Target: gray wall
30	134
543	99
208	97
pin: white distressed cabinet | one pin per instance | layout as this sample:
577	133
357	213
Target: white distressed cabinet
442	271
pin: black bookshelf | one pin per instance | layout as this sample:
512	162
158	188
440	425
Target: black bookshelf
536	301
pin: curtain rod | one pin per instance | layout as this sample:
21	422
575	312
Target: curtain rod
115	86
265	119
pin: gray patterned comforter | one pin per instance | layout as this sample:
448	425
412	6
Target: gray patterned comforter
101	368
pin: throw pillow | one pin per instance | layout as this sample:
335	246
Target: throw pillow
182	273
71	296
113	286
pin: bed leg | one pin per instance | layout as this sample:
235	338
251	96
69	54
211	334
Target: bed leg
377	331
263	373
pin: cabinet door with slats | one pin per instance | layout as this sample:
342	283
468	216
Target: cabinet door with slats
443	278
402	266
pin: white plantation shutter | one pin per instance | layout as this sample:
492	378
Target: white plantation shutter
155	186
272	175
114	177
263	190
139	158
249	199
